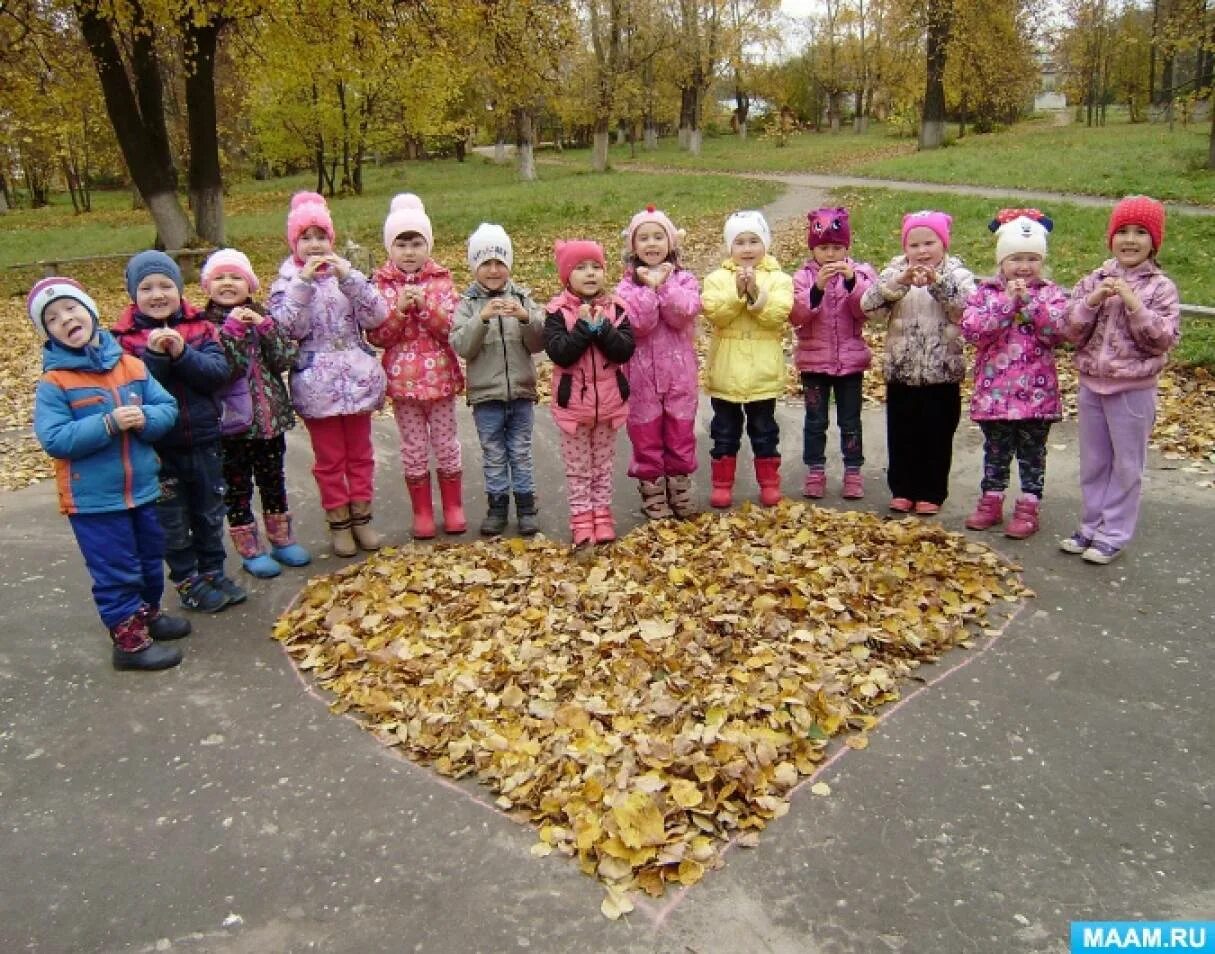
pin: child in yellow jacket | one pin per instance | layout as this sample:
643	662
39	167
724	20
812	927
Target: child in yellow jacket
747	301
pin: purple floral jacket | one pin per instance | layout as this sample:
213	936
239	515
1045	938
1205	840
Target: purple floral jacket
1015	375
829	338
336	372
663	373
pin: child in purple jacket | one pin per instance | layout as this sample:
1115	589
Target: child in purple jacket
664	389
831	351
1015	321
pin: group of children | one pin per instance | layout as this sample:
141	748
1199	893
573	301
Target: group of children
162	428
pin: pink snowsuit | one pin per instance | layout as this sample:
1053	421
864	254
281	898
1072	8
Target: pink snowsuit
664	386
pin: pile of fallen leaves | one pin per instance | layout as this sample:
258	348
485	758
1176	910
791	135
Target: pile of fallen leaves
642	703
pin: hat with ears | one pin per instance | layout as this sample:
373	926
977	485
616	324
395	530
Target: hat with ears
151	262
748	221
1138	210
570	254
656	216
828	227
307	209
490	242
407	214
938	222
1020	230
52	289
228	260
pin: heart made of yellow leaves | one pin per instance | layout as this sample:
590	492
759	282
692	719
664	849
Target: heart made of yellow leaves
645	702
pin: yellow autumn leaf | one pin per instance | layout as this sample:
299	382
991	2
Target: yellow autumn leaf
638	820
686	794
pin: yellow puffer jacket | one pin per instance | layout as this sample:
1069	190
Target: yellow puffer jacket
746	352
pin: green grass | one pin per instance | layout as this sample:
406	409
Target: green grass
805	152
564	202
1076	247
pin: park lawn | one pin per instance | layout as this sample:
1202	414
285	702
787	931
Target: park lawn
1115	160
565	202
842	153
1077	246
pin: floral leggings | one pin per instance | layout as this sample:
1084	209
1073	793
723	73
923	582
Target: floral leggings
247	459
1025	440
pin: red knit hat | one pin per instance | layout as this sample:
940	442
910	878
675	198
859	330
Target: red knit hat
569	254
1138	210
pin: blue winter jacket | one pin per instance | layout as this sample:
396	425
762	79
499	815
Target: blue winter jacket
100	469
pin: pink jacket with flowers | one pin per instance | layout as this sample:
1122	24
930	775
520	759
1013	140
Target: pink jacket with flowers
1117	350
1015	376
829	337
420	363
589	385
663	373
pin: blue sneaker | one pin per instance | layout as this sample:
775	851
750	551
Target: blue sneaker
232	591
198	594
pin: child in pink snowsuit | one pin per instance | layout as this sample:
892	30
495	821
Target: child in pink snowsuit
588	335
663	300
424	374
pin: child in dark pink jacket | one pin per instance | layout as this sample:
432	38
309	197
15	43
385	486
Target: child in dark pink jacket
831	351
588	335
664	386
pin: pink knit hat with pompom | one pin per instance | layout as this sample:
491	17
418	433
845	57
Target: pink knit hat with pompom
657	217
407	214
307	209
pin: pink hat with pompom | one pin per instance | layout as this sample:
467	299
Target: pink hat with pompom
657	217
307	209
407	214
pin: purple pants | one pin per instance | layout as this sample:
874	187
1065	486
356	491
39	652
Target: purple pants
663	447
1114	431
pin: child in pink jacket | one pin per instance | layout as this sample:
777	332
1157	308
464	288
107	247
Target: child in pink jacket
831	351
1124	320
588	335
1015	321
424	374
664	390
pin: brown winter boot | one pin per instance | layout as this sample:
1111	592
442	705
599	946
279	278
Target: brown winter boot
366	536
340	537
679	495
654	502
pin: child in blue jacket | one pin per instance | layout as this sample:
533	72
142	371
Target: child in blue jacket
97	412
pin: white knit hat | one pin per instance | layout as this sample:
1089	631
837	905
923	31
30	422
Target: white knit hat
407	214
749	221
52	289
488	242
1021	234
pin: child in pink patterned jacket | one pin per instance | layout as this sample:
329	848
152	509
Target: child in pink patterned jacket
1015	321
588	335
831	351
1124	320
424	374
664	389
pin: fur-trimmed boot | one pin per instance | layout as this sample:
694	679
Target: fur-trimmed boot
654	503
365	535
340	537
723	481
423	507
767	475
252	557
282	540
134	647
679	496
450	491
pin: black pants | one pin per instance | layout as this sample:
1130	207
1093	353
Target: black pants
920	424
247	459
726	428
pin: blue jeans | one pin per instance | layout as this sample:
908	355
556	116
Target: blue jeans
123	551
847	390
726	428
191	508
505	431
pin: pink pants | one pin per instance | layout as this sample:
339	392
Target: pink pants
344	465
588	454
663	447
1114	432
426	424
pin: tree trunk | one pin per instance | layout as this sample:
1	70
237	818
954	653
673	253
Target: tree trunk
599	151
695	141
1211	144
833	109
500	147
687	115
137	115
206	181
525	144
932	124
1152	53
3	193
